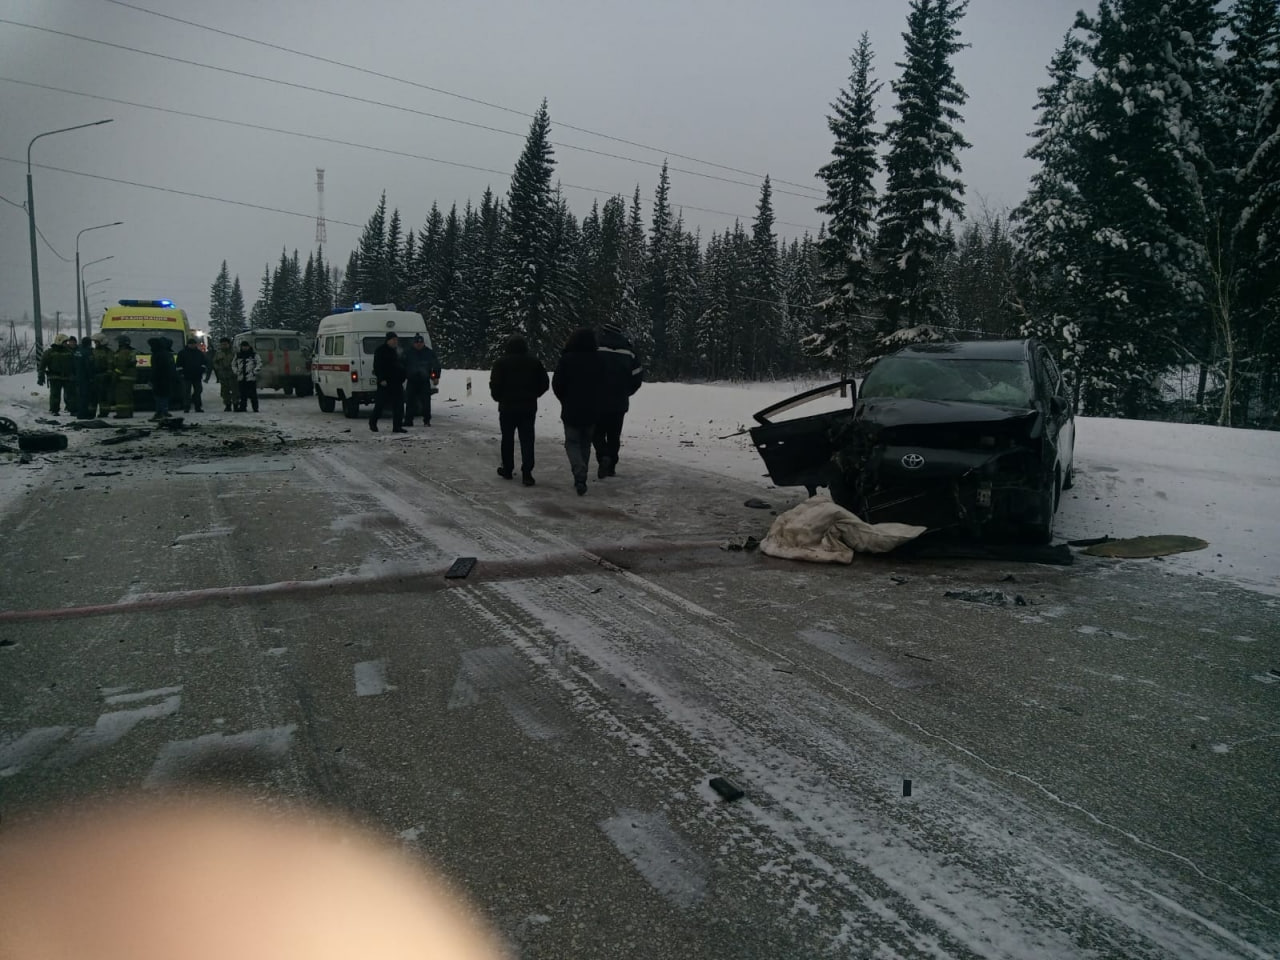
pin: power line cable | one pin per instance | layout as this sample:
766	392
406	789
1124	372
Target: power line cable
52	248
348	143
181	193
450	93
376	103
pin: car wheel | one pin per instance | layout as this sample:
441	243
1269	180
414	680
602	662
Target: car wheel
1069	480
327	404
288	391
350	408
1041	532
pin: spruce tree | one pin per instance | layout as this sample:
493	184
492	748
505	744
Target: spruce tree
371	283
391	264
655	292
349	289
260	315
632	316
446	296
848	279
526	269
220	303
760	308
235	310
922	164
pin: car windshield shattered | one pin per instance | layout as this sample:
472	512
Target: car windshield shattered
1005	383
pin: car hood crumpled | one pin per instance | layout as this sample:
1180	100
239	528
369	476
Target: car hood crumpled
891	412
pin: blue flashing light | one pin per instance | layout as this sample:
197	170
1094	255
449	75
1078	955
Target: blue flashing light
166	303
356	307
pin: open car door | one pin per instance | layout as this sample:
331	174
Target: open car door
798	451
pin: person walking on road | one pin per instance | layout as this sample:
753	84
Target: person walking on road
124	371
193	366
71	396
224	359
56	370
164	375
86	370
579	385
244	369
388	369
623	376
422	371
102	375
516	382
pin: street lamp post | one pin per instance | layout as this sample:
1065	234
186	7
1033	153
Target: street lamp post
79	276
31	225
83	294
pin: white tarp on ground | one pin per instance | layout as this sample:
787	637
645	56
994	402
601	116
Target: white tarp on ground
820	531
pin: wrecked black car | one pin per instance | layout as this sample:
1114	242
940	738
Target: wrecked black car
976	437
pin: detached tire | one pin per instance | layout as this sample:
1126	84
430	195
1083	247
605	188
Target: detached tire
42	441
327	404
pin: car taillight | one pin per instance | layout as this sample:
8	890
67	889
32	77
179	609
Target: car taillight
355	377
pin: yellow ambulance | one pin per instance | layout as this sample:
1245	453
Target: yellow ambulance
140	321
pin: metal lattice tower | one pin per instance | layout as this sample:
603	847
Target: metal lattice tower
321	234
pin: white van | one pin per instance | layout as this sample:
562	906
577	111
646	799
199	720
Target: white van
342	363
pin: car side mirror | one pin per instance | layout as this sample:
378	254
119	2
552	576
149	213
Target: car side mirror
1058	406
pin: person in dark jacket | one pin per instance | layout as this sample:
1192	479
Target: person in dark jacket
245	368
102	375
193	365
422	371
623	376
516	381
55	368
388	369
164	374
579	385
86	371
124	371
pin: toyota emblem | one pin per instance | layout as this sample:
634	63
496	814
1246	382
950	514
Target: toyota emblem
913	461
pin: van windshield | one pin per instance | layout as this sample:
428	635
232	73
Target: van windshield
138	338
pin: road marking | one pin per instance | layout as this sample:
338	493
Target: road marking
371	678
662	856
180	758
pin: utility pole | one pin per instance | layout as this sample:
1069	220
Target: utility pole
31	226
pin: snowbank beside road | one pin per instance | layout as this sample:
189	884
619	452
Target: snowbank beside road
1133	478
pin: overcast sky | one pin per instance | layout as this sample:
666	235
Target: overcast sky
741	83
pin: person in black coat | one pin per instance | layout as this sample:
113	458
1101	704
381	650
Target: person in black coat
623	376
516	381
193	364
164	374
422	371
388	369
579	384
86	369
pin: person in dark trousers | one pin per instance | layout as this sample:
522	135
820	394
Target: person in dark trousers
622	378
579	384
422	370
193	365
245	368
86	372
102	375
56	368
124	371
224	360
516	381
72	397
388	369
164	374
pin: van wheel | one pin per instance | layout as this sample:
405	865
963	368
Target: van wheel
327	404
288	391
350	408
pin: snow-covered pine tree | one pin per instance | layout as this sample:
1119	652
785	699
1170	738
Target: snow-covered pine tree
1140	170
922	165
712	328
525	268
632	316
235	310
447	290
848	279
349	289
391	261
760	305
220	304
260	315
563	284
371	285
655	294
